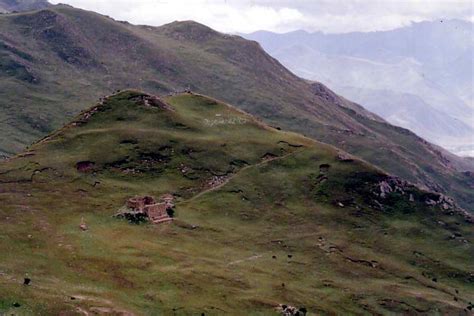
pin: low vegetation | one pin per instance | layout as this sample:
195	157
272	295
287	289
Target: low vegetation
263	217
56	61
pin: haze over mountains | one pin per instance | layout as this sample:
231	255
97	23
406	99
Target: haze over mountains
419	77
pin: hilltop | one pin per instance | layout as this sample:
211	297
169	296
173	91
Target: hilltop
57	60
263	217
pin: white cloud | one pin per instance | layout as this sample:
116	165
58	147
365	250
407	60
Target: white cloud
282	15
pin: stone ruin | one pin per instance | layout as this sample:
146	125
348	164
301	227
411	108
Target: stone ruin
146	208
288	310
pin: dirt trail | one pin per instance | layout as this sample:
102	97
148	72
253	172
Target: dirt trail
239	171
255	257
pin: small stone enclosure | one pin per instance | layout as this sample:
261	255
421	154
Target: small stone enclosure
142	208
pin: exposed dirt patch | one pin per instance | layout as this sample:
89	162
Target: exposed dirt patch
268	156
151	101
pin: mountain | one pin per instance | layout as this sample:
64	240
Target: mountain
22	5
57	60
412	112
427	62
262	217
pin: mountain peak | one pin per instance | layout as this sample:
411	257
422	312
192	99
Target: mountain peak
189	30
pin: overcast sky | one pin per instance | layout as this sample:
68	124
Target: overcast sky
245	16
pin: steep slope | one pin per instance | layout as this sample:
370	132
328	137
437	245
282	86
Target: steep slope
263	217
430	60
57	60
410	111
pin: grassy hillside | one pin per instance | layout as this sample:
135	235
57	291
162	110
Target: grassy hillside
263	217
54	61
22	5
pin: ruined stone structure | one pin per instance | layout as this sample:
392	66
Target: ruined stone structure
168	199
138	203
147	207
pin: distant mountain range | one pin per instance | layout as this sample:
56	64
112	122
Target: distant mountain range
419	77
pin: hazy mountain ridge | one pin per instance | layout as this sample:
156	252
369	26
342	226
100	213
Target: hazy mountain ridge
53	56
431	60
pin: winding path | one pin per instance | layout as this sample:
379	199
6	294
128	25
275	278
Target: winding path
239	171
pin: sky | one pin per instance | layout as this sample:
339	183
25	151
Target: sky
245	16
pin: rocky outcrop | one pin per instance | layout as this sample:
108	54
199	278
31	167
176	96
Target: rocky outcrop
394	185
446	203
344	157
151	101
86	115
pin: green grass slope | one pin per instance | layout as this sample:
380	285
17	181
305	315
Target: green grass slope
54	61
263	217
